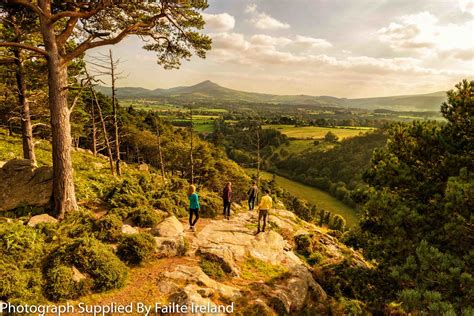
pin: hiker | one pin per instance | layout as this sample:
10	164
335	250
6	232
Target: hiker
193	206
227	198
253	195
265	206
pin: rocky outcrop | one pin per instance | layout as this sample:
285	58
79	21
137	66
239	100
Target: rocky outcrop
24	185
231	244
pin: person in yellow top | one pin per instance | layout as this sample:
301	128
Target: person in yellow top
266	204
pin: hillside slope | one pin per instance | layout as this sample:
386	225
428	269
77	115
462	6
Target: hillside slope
284	270
210	91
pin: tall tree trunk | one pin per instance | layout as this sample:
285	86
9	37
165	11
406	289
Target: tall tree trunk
160	153
258	155
26	128
192	148
104	131
114	108
64	197
94	130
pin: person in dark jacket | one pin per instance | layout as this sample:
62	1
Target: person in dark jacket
227	198
252	193
193	206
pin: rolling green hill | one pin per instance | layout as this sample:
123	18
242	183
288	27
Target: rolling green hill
208	91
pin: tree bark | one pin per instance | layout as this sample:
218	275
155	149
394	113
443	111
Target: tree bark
26	128
192	148
94	130
64	197
160	153
104	131
258	154
114	108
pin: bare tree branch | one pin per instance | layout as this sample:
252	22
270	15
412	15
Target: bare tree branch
24	46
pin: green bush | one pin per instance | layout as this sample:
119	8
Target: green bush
92	257
134	249
338	223
80	223
60	285
315	258
19	285
212	269
145	217
210	206
121	212
109	228
20	245
304	244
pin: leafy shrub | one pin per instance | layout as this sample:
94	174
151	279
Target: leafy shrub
134	249
121	212
109	228
338	223
92	257
315	258
304	244
212	269
210	206
145	217
19	285
78	224
60	285
20	245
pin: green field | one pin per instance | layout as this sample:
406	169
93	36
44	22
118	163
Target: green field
321	199
296	146
316	132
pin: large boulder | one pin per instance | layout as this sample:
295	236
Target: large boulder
43	218
22	184
170	227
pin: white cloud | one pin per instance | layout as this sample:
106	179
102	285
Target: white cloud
266	40
229	41
304	42
263	21
251	8
219	22
263	51
424	33
467	6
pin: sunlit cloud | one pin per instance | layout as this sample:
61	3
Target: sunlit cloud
263	21
219	22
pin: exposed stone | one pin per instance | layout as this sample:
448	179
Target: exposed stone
170	227
21	184
170	246
77	276
221	255
194	274
129	230
189	296
43	218
143	167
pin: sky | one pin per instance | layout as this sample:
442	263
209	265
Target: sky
342	48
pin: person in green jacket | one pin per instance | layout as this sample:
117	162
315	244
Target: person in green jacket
193	206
